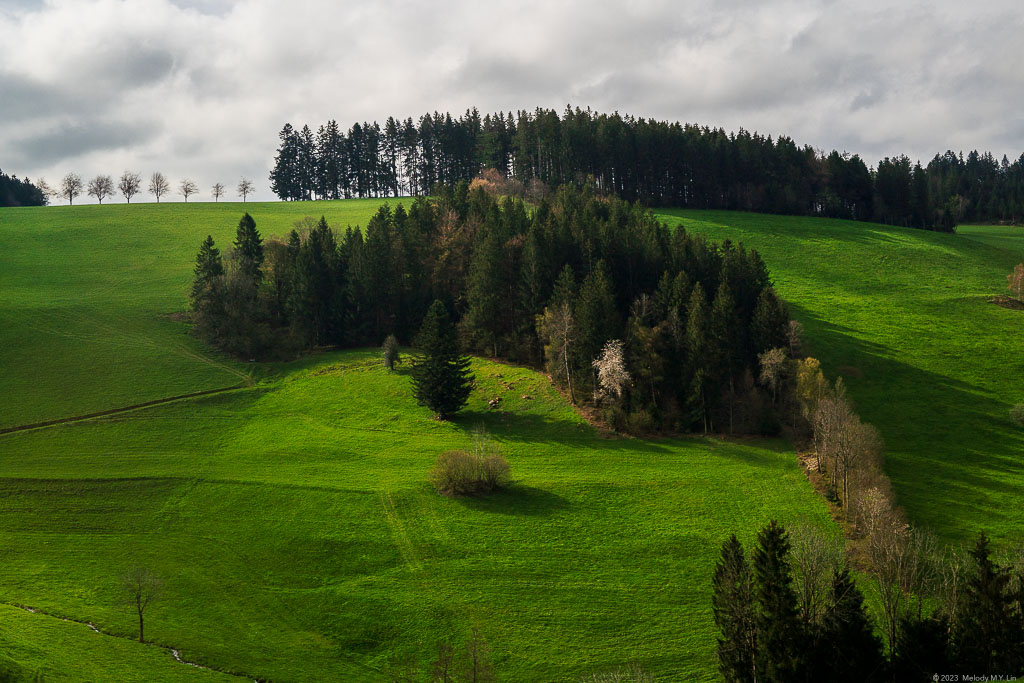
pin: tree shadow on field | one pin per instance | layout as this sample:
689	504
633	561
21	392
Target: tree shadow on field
526	427
954	456
518	500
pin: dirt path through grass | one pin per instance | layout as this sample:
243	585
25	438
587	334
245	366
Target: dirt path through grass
125	409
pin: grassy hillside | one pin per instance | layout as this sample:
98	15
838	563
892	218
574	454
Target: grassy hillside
85	293
299	540
904	316
291	519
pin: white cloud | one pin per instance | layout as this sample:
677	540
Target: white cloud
200	88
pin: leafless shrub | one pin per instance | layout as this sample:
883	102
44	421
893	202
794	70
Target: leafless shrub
815	556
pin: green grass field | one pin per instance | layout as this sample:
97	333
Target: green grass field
291	519
904	316
85	293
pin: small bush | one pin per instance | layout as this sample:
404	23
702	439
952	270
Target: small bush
389	352
1017	414
458	473
495	473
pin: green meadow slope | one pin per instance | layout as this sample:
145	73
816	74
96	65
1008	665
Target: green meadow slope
86	293
904	316
291	519
299	540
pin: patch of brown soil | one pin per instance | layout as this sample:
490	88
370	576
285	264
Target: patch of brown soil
1007	302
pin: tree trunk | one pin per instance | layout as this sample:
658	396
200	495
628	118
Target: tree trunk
140	627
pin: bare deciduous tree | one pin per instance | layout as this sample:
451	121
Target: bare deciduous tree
815	558
1015	282
477	665
140	587
101	187
129	185
186	187
612	376
47	191
558	326
71	187
245	188
773	368
443	668
218	191
795	335
158	185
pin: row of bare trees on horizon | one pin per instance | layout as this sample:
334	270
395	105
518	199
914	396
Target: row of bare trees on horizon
130	185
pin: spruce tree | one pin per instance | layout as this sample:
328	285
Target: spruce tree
207	297
698	351
441	379
208	267
733	605
726	342
989	637
769	324
847	648
779	633
249	249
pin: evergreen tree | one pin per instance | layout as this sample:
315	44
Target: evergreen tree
770	322
922	649
249	249
780	636
209	266
989	635
486	293
699	352
847	648
733	606
207	296
726	339
441	378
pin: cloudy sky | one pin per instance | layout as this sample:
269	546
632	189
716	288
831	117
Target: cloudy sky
200	88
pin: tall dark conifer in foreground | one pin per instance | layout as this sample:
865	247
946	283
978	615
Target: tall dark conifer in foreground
733	605
779	633
441	379
989	635
847	648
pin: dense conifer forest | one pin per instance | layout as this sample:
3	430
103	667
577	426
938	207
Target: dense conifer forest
654	162
552	284
17	192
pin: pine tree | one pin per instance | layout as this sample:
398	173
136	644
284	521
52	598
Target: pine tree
441	378
249	249
733	606
779	631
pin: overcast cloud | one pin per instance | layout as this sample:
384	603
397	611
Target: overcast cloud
200	88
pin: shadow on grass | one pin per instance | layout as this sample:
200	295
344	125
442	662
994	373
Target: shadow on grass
518	500
953	455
